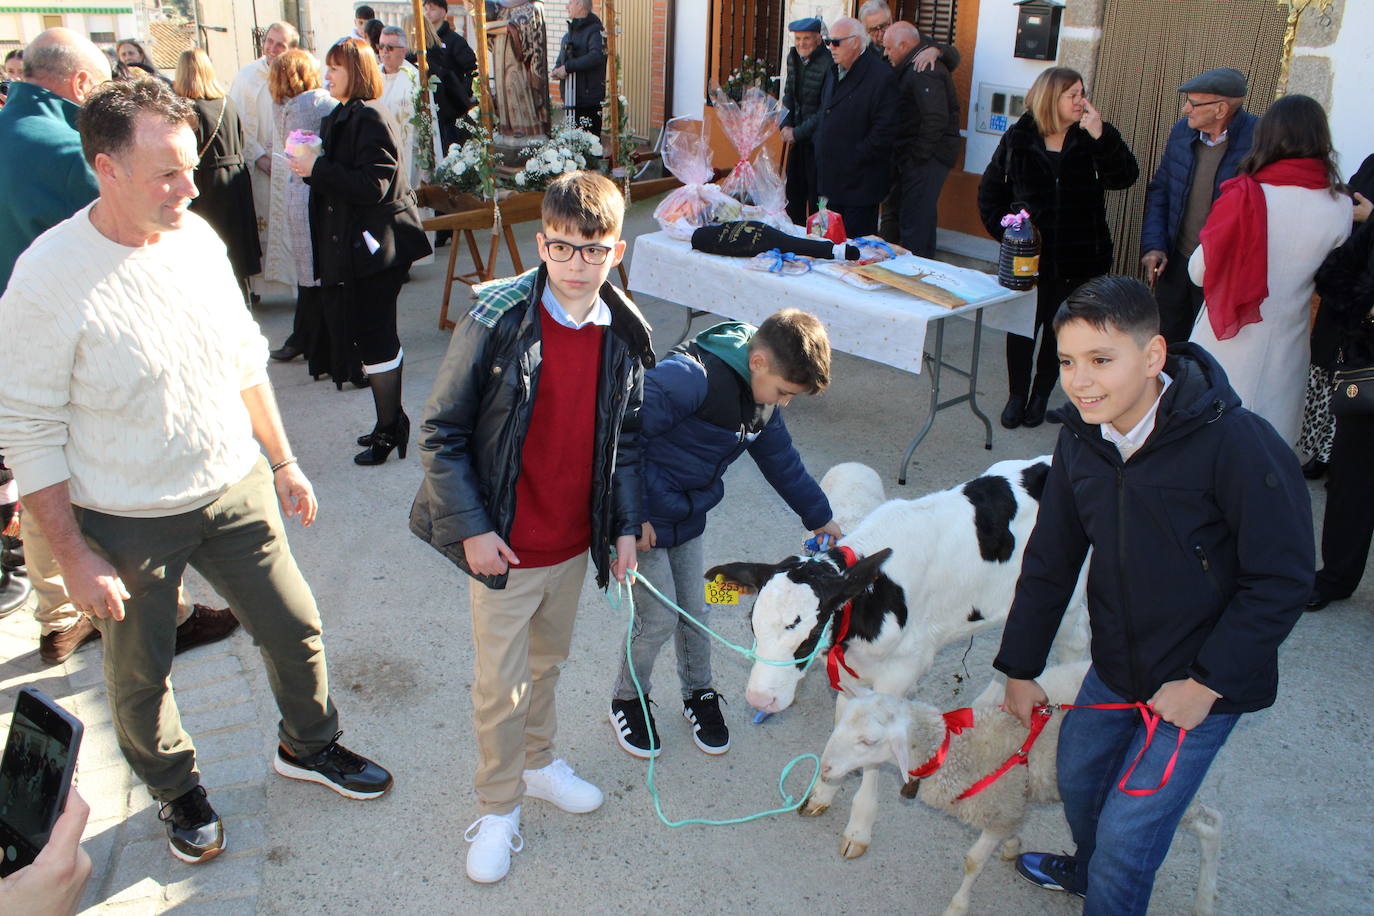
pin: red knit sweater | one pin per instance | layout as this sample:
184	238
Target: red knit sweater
553	495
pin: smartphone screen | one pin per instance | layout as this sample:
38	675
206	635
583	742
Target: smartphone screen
35	774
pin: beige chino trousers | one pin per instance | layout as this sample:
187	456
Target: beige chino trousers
522	634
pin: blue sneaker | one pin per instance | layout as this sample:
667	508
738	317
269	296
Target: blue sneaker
1052	872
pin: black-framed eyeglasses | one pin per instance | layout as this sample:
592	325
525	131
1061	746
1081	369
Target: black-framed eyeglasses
562	252
1189	103
879	29
836	42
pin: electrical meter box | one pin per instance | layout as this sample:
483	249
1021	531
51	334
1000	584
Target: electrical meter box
998	108
1037	28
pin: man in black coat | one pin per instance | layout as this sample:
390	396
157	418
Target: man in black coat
808	65
455	65
927	142
582	65
858	129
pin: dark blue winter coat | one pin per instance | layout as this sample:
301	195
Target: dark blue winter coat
1202	547
1167	193
855	139
698	416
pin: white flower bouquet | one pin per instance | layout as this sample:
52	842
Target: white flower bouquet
569	149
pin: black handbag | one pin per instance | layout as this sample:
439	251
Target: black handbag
1353	395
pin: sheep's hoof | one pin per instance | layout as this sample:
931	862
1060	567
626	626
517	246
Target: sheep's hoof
813	808
852	849
1011	848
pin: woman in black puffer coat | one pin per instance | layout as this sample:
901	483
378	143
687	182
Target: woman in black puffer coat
1058	161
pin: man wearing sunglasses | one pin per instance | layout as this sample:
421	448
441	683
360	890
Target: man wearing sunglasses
1204	149
858	129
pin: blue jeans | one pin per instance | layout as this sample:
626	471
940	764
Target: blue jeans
1122	839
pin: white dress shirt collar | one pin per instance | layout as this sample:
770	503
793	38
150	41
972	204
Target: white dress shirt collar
599	315
1128	444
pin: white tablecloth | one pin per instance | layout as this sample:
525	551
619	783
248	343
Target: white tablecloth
887	326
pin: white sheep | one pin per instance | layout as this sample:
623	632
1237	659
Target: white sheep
854	490
877	728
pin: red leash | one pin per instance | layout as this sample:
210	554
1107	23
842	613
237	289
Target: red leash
960	719
834	656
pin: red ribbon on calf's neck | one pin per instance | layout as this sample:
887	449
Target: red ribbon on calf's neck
834	656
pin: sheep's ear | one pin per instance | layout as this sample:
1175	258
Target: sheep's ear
750	577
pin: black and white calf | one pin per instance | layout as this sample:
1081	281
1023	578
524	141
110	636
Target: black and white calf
930	572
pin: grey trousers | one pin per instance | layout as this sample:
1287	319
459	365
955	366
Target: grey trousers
677	572
239	545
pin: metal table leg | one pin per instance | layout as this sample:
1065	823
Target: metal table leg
935	364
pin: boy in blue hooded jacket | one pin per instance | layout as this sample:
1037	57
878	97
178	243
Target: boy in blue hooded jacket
705	405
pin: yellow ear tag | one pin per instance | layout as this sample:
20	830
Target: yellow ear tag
721	592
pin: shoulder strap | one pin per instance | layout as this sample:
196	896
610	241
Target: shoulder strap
214	133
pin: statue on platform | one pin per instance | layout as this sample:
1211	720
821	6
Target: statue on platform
519	65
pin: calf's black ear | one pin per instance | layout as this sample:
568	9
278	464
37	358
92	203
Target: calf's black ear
750	577
855	580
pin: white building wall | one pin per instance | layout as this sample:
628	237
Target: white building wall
1352	68
690	44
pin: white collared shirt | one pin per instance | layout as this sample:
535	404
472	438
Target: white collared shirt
1128	444
599	315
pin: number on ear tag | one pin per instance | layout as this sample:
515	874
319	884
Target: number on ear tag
721	592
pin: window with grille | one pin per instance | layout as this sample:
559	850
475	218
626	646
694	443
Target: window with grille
934	18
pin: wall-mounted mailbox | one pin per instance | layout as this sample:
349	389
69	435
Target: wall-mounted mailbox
1037	28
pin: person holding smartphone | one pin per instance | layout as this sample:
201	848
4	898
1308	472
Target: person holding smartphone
53	883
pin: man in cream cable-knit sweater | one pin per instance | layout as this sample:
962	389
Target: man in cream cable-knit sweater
130	424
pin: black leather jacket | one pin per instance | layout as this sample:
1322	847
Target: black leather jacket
474	426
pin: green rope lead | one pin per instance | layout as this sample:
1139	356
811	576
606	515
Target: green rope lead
614	596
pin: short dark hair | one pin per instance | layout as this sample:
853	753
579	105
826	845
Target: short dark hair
1294	127
442	4
107	119
798	348
588	203
1112	302
364	12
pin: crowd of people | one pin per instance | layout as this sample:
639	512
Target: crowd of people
554	437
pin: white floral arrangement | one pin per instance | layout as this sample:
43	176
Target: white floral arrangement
470	167
567	150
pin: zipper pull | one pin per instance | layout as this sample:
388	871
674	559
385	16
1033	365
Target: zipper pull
1202	558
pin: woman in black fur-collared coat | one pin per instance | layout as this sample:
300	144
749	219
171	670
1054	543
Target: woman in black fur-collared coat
1058	161
366	232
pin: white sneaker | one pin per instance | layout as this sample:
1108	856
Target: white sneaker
558	784
493	837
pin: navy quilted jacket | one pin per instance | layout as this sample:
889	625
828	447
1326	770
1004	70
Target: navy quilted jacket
1167	192
699	416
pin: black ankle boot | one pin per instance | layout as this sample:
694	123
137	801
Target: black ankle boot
1015	411
397	437
1035	410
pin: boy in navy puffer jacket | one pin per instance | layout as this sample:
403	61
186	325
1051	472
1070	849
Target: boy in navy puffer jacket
1202	559
708	403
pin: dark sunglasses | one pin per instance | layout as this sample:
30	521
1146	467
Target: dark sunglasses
836	42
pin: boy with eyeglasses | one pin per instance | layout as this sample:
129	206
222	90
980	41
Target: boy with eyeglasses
530	444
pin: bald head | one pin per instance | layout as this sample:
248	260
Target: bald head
65	63
899	40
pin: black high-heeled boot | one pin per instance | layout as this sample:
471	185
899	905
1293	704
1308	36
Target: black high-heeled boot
384	439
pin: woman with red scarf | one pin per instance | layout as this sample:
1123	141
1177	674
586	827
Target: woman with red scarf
1268	232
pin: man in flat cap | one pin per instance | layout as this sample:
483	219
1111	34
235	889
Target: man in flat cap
807	65
1203	150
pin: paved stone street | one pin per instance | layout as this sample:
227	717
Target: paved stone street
1292	784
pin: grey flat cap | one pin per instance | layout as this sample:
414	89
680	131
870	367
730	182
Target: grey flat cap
1223	81
810	24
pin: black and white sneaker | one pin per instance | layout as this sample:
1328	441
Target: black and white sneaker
638	737
709	731
336	767
194	831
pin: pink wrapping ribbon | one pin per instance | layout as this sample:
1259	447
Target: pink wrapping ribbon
1015	219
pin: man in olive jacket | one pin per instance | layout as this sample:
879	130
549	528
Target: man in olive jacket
808	64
